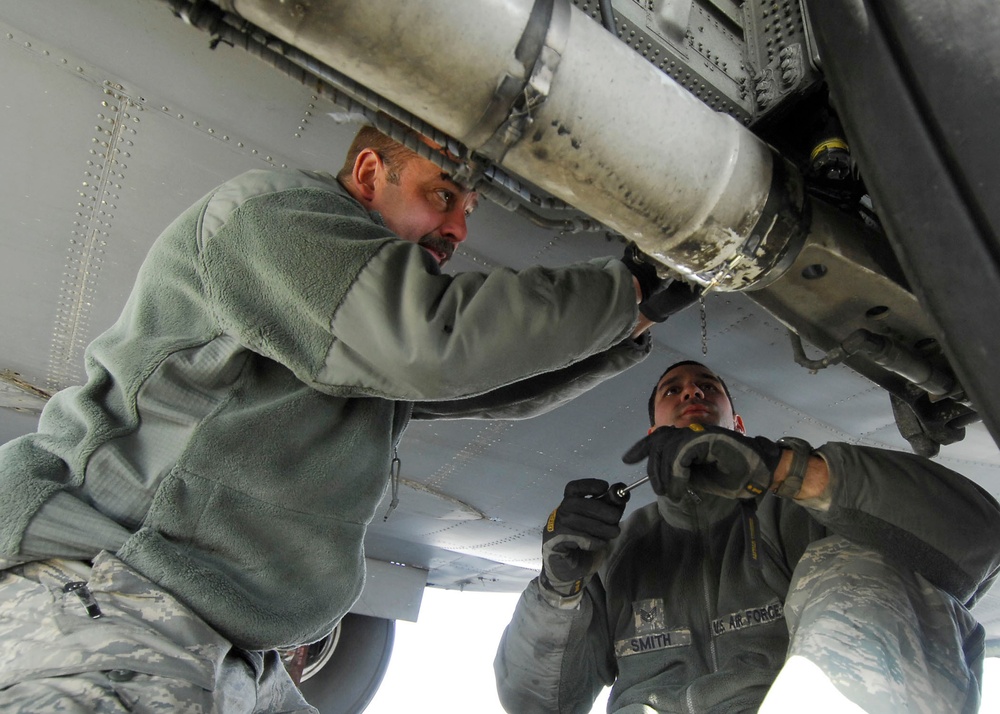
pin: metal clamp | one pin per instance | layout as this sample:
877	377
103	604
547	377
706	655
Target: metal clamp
509	114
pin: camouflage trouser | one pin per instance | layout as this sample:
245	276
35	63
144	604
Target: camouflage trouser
145	653
886	639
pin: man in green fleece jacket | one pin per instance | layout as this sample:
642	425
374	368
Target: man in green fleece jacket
203	497
851	562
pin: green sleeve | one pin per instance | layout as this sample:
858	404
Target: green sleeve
405	333
305	277
543	393
917	512
547	659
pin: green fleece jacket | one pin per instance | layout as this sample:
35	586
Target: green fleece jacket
233	438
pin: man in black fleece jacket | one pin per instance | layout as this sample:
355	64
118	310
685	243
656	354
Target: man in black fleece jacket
758	561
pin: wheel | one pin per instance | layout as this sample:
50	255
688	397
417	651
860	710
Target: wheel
344	670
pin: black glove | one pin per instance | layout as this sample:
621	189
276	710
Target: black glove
671	298
643	269
576	536
710	460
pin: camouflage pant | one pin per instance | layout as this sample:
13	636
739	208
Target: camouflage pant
145	653
886	639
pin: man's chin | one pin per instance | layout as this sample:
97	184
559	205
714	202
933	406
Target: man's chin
702	418
438	258
440	255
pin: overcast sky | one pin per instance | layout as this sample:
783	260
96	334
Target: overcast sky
444	662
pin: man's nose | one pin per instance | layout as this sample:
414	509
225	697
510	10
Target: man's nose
455	228
692	391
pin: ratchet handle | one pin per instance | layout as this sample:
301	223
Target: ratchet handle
620	490
616	495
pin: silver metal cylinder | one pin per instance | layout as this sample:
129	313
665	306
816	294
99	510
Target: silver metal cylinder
609	133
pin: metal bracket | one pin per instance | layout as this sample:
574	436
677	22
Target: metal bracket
510	113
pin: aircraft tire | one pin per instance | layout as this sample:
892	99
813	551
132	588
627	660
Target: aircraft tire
349	680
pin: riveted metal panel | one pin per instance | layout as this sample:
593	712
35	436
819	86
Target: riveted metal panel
477	492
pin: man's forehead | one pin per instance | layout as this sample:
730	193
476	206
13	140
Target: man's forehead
689	370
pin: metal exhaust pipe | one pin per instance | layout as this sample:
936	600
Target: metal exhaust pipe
545	92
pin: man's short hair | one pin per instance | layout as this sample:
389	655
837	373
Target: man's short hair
394	155
652	397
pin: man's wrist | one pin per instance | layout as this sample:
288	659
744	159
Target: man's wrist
643	271
555	598
789	483
643	324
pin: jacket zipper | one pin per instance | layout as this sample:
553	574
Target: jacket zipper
401	417
394	468
706	588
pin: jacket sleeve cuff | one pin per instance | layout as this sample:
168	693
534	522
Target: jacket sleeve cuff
558	601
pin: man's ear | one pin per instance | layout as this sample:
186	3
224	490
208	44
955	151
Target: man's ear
367	166
738	424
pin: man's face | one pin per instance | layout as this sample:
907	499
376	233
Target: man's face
691	394
424	206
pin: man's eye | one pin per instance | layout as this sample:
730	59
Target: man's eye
447	197
670	391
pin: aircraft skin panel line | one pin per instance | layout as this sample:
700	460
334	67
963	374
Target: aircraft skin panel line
118	115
